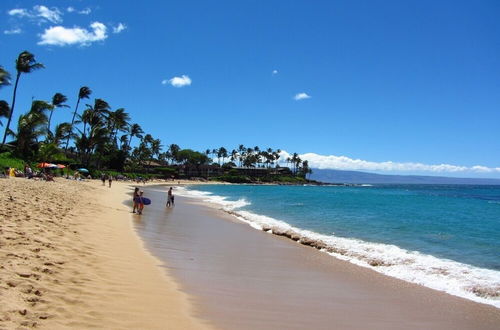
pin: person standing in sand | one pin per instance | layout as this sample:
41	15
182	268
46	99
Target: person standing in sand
110	180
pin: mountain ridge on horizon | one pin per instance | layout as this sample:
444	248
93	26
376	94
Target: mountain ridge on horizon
358	177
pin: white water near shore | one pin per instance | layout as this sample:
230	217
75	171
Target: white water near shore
459	279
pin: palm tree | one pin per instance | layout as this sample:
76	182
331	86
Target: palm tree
30	126
118	121
84	93
61	132
135	130
57	102
174	149
25	63
4	77
4	110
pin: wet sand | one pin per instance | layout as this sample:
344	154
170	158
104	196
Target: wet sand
241	278
70	259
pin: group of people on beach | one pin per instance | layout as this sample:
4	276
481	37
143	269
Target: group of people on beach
139	200
105	177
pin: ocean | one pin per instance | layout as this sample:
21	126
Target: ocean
446	237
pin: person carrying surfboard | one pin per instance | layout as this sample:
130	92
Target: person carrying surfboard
136	200
141	202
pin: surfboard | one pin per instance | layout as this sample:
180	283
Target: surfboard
145	200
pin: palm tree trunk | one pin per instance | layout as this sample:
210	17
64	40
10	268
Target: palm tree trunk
48	125
72	122
11	108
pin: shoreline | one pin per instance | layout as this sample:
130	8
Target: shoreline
71	259
384	258
242	278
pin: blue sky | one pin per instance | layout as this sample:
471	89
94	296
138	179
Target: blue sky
393	86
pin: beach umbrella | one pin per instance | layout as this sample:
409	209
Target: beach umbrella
61	166
44	165
52	166
83	170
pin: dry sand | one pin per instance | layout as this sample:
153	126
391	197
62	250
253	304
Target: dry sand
70	259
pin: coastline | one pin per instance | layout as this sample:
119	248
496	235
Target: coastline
70	259
245	279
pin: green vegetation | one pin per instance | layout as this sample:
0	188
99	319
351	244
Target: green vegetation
7	160
100	139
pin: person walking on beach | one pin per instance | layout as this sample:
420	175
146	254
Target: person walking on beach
135	199
170	198
110	180
103	179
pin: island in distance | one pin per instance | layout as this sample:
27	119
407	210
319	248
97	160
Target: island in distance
356	177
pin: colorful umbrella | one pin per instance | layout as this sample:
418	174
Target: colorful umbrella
45	165
82	170
61	166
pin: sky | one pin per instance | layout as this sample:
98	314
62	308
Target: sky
403	87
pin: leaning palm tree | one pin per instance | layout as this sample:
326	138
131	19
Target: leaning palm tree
25	63
57	102
135	130
84	93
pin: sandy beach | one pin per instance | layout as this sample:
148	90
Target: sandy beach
74	256
70	259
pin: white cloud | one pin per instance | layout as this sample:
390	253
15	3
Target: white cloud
119	28
13	31
346	163
62	36
51	15
70	9
275	72
85	11
179	81
40	12
301	96
164	82
21	12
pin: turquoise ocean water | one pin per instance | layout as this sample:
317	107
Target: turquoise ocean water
444	237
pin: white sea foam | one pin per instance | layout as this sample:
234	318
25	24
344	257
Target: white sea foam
470	282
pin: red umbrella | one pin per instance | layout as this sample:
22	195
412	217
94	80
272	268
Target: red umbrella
44	165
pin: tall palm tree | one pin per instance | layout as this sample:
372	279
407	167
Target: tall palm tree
25	63
57	102
84	93
135	130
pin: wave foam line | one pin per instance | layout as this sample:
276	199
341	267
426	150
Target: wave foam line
466	281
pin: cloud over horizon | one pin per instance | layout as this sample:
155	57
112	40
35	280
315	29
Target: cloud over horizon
349	164
62	36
